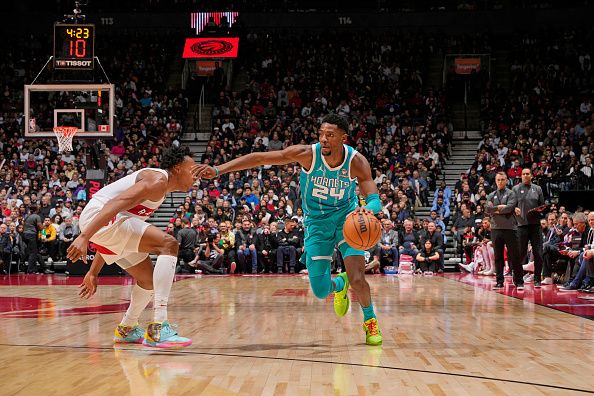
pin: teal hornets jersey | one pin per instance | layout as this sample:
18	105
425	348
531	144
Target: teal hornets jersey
325	190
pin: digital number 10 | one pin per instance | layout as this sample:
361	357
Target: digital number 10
78	48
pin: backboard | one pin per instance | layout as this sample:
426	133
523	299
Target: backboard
89	107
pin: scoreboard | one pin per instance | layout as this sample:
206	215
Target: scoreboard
74	46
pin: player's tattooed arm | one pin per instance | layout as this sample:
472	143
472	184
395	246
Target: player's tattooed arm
298	153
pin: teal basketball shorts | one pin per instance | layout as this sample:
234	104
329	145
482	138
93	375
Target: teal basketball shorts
321	236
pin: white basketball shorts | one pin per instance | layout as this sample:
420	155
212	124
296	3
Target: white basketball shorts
118	241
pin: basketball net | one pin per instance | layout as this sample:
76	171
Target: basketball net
65	135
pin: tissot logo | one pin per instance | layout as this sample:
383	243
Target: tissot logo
212	47
62	63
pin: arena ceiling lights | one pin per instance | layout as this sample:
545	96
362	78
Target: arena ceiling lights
211	48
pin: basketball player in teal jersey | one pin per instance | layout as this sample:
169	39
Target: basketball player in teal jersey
330	170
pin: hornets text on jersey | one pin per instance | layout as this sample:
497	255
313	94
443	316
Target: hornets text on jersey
326	190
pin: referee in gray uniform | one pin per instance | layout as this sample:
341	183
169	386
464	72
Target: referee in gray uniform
530	205
501	205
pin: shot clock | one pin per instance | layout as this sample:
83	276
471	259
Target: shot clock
74	46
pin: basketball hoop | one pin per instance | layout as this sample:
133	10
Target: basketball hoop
65	135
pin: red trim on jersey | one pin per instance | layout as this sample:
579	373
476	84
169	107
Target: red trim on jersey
141	210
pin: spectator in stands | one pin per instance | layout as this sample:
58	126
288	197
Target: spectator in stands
227	243
408	239
388	244
245	240
442	210
444	191
437	220
288	242
576	245
372	260
45	209
169	229
49	243
584	278
265	243
250	198
5	249
551	246
177	223
66	234
469	241
427	258
485	249
15	242
459	227
436	242
210	259
420	186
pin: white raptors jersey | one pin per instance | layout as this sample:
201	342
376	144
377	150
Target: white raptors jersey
141	211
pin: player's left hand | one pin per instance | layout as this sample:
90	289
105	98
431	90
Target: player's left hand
363	210
518	211
88	287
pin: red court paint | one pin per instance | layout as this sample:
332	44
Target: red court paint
58	280
548	296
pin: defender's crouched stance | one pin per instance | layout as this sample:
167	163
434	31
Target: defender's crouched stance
115	221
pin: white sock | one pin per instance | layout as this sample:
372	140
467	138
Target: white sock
162	282
139	299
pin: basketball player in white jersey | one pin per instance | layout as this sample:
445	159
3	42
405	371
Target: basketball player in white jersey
115	221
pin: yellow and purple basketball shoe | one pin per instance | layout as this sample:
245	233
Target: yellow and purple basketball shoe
128	334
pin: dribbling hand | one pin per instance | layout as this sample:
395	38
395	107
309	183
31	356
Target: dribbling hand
363	210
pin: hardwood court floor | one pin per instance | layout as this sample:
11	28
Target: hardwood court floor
269	335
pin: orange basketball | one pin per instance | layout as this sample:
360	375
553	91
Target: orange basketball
361	231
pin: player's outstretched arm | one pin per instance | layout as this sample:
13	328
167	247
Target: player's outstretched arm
362	171
298	153
149	185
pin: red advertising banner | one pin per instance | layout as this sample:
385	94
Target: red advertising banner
467	65
206	68
211	48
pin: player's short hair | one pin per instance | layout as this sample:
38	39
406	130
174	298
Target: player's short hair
335	119
174	156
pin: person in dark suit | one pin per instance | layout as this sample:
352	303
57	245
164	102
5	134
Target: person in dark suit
501	205
583	279
550	248
265	248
